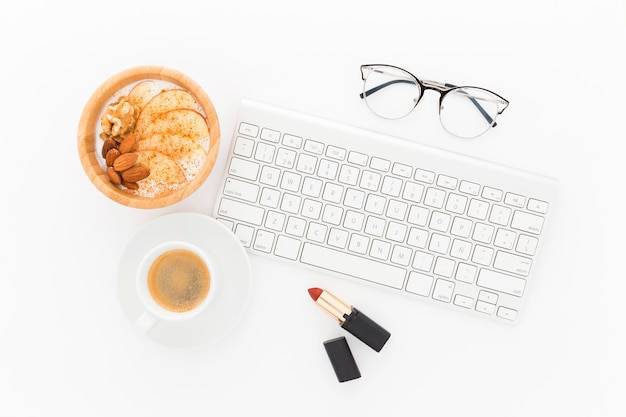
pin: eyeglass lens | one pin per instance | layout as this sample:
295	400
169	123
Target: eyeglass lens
468	111
390	92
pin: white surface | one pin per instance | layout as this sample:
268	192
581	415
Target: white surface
66	348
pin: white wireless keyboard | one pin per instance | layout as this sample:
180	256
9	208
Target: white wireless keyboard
420	221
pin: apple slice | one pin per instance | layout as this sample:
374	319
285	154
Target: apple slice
187	153
182	122
142	93
161	103
165	174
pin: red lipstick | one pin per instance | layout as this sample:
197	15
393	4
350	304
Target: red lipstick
351	319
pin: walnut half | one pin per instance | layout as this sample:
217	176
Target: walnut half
118	120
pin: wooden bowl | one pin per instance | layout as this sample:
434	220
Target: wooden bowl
90	152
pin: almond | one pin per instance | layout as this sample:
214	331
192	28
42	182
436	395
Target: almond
107	146
127	144
125	161
136	173
130	185
114	176
112	156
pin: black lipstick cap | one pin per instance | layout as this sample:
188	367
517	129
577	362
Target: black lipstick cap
341	359
366	330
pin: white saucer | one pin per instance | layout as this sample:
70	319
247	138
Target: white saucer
230	263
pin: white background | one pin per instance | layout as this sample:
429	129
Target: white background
66	349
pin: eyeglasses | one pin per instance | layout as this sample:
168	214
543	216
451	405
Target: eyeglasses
467	112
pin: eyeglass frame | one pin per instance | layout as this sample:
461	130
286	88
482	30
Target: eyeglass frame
442	88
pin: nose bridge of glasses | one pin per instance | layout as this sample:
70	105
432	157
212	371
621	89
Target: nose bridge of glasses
436	85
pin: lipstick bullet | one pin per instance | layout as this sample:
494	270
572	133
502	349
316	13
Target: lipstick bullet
351	319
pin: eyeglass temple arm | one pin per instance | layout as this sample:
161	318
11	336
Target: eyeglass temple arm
472	99
383	85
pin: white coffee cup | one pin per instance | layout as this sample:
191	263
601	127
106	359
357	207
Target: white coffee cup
154	312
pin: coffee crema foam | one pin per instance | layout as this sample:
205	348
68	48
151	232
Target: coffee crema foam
179	280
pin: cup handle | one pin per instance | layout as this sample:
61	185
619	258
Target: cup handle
145	322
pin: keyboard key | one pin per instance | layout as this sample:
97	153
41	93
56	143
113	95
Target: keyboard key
463	301
526	245
488	297
357	158
425	176
359	244
348	175
316	232
456	203
418	215
380	164
537	206
354	198
285	158
402	170
243	147
333	193
470	188
338	238
241	211
291	203
244	169
306	164
312	187
512	263
413	192
434	197
478	209
507	313
501	282
355	266
380	249
505	239
391	186
291	181
401	255
328	169
269	175
287	247
335	153
466	273
264	152
275	220
515	200
444	267
375	204
244	233
484	307
443	290
314	147
423	261
492	194
370	180
527	222
292	141
500	215
264	241
248	129
445	181
242	190
270	135
419	284
461	227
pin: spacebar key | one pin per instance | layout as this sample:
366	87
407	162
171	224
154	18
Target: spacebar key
354	266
